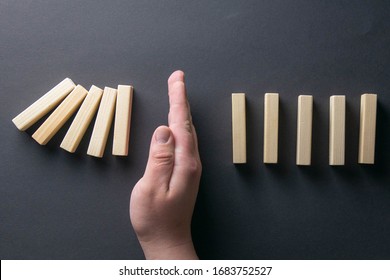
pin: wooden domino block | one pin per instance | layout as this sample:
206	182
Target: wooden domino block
82	120
337	130
271	127
103	122
124	102
304	130
43	105
368	104
239	127
60	115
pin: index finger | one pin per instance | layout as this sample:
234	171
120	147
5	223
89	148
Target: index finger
179	118
179	111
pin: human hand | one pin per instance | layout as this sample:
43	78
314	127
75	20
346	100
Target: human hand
162	202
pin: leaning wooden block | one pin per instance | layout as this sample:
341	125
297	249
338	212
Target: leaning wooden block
103	122
304	130
239	127
43	105
337	130
60	115
271	127
82	120
124	102
368	105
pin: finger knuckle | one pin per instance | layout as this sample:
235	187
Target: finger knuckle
163	158
194	167
188	126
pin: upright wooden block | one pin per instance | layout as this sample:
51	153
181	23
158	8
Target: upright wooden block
239	127
271	127
304	130
337	130
103	123
43	105
82	120
60	115
124	102
368	105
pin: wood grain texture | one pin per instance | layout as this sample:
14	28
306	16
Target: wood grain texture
337	130
82	120
103	122
124	101
368	104
43	105
271	127
60	115
239	127
304	129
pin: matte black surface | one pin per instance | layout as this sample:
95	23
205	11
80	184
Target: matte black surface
55	205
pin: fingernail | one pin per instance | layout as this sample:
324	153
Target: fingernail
162	135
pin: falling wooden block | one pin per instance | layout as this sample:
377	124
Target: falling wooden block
304	130
43	105
337	130
103	122
124	102
60	115
239	127
271	127
82	120
367	128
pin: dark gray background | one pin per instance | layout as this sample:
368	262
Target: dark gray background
55	205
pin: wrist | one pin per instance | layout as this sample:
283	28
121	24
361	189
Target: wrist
165	251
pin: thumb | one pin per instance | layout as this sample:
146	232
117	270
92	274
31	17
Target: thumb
161	158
